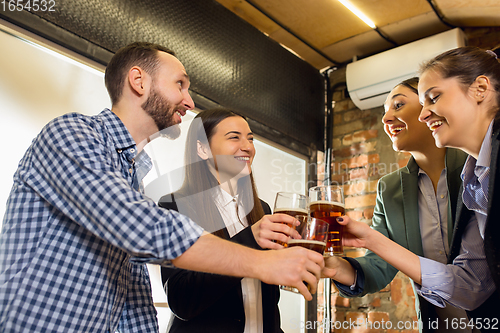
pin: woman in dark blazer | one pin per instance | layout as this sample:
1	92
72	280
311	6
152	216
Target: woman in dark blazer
470	121
219	193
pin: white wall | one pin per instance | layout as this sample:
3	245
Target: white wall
38	84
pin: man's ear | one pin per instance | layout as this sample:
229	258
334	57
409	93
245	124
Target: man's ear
203	150
136	80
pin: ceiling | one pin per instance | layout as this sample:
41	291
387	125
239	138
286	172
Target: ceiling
325	33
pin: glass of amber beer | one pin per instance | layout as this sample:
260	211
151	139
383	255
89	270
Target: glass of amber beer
292	204
314	236
326	202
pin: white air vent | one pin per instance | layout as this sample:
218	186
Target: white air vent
370	80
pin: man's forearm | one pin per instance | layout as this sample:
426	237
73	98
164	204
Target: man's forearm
294	267
212	254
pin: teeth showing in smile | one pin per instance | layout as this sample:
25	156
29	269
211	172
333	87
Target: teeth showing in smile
178	113
396	130
435	125
242	158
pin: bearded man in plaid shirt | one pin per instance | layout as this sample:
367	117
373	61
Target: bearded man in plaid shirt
78	231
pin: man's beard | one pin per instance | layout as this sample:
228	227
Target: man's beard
162	113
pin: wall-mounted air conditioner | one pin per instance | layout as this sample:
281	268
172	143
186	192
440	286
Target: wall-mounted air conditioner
370	80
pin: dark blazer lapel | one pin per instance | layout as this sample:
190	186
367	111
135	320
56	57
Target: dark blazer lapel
454	164
492	245
489	310
409	188
463	217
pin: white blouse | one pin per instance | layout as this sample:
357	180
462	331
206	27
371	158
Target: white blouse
235	220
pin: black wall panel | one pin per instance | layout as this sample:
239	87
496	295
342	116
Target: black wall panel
230	62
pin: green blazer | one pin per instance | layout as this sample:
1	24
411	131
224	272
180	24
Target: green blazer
396	217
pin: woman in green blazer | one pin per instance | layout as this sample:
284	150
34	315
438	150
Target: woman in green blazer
415	206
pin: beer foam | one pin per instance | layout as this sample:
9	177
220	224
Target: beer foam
325	202
281	209
292	241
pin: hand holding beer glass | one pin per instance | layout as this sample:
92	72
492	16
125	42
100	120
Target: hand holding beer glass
326	202
292	204
314	236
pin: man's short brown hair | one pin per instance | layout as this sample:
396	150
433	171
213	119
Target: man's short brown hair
141	54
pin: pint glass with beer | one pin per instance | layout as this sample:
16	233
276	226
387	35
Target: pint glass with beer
326	202
293	204
313	236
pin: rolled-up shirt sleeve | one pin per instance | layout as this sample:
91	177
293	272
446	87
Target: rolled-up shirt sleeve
466	283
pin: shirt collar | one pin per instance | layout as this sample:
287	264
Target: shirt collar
223	198
421	172
143	165
126	144
483	159
120	134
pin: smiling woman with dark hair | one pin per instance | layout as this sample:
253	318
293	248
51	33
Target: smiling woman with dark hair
219	193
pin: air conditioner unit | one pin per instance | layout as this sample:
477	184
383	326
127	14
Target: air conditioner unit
370	80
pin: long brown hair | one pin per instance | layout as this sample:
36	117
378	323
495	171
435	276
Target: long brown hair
198	178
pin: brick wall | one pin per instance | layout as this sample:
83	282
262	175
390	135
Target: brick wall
362	153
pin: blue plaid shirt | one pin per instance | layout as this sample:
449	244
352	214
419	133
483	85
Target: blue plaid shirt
76	234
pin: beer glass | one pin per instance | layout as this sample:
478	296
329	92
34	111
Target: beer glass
326	202
292	204
314	236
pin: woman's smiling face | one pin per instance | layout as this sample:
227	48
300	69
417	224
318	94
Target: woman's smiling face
401	124
448	109
232	147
